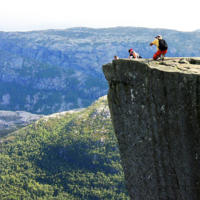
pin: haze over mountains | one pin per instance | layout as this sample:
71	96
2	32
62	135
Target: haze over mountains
50	71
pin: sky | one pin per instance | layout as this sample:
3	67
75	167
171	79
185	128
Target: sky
28	15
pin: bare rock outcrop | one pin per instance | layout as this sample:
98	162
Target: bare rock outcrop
10	119
155	110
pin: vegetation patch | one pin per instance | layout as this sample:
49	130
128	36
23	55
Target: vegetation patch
65	157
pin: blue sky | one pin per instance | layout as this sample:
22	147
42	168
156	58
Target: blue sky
27	15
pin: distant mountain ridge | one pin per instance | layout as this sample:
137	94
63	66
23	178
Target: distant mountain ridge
57	70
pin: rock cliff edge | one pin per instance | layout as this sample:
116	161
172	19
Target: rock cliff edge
155	110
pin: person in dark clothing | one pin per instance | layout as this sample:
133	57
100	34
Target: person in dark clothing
159	53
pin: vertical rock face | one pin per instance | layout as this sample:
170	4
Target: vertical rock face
155	109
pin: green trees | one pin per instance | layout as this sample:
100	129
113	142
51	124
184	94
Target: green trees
68	157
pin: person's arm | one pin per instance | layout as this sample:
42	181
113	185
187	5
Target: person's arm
134	55
154	42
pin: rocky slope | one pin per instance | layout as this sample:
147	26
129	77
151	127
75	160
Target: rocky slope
155	110
10	121
57	70
33	86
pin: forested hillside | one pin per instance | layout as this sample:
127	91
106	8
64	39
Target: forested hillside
51	71
69	155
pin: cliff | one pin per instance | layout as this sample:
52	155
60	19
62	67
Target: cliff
155	110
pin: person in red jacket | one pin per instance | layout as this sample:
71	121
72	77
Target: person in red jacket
159	53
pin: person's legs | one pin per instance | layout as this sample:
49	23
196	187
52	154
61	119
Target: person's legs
158	53
162	56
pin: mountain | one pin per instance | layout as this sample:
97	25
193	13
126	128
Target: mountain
68	155
50	71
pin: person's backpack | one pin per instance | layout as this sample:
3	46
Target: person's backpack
162	45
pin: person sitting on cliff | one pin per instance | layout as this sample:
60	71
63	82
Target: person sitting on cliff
133	54
161	47
116	57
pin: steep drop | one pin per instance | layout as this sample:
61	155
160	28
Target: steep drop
155	110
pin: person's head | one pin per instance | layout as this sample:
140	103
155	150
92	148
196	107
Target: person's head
130	51
115	57
158	37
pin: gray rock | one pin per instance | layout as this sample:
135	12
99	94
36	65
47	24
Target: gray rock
155	110
183	61
10	119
